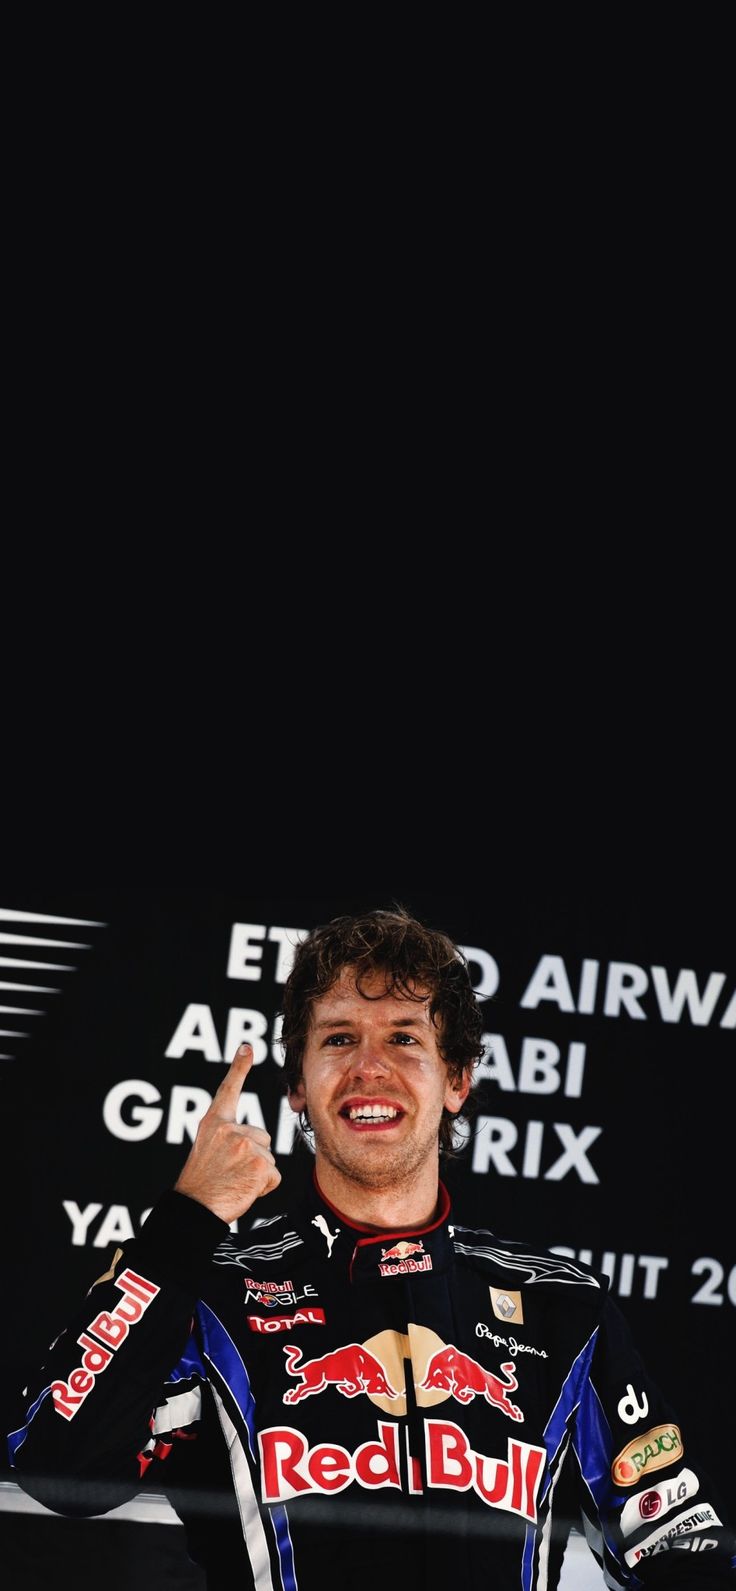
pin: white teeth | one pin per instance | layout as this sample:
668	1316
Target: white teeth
372	1112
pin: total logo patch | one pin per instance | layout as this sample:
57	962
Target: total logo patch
655	1448
300	1317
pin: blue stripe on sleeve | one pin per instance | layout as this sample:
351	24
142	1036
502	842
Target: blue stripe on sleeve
223	1354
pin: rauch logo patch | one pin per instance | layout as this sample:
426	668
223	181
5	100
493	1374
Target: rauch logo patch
655	1448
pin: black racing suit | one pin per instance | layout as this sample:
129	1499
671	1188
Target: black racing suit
402	1410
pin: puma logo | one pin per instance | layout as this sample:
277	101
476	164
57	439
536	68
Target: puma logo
321	1224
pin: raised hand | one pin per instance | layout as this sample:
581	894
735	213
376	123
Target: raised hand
229	1166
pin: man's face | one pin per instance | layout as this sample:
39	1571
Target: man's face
374	1082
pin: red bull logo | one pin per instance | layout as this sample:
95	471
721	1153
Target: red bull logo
362	1368
291	1468
449	1370
268	1287
351	1370
111	1329
398	1260
402	1250
272	1295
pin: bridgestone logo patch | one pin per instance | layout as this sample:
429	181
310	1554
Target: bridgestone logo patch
663	1539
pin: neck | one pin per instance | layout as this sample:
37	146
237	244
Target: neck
380	1209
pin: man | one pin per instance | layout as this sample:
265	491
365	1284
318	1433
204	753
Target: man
360	1392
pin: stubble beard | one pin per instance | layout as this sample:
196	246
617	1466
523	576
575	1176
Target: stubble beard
379	1166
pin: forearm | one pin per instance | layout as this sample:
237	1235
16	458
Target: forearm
87	1411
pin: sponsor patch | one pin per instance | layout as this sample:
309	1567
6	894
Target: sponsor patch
357	1368
398	1260
682	1525
644	1506
349	1370
268	1287
632	1408
291	1468
302	1317
271	1295
451	1371
662	1445
507	1305
111	1330
329	1237
510	1342
407	1267
693	1543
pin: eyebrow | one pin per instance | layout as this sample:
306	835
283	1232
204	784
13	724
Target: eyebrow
344	1022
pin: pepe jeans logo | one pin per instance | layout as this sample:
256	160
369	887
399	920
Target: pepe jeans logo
510	1342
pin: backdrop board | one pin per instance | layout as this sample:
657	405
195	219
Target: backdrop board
604	1125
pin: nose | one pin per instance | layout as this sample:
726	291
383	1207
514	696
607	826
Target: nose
368	1060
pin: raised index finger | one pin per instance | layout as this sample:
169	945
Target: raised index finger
226	1099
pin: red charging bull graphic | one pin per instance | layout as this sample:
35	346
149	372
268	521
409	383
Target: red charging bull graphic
351	1370
449	1370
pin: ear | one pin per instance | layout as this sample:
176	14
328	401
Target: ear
297	1097
456	1093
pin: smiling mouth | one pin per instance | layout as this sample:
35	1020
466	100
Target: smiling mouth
371	1116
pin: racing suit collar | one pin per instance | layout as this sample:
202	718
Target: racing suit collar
370	1254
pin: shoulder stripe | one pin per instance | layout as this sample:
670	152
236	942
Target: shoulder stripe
534	1267
256	1253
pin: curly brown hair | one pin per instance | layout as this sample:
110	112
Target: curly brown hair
415	959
